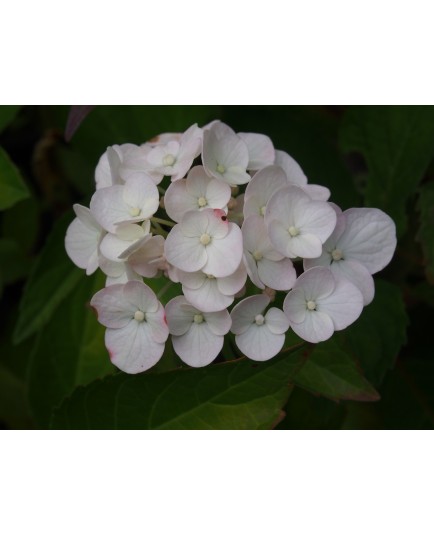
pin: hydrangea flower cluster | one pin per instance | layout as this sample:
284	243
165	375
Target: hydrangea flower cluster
230	218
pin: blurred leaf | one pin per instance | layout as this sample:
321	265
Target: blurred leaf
13	402
360	416
109	125
305	411
7	114
21	223
52	278
309	134
76	116
377	336
398	145
12	186
408	397
14	265
69	351
331	372
426	230
233	395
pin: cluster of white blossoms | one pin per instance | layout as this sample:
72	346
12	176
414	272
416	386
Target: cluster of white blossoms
231	219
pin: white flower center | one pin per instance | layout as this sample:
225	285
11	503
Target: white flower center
259	320
257	255
198	319
293	231
221	168
168	160
311	305
262	211
337	254
205	239
202	202
134	211
139	316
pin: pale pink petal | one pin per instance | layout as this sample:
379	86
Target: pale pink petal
179	316
141	296
158	324
197	182
108	207
261	188
219	322
81	244
208	297
293	171
276	321
316	327
225	254
259	343
114	310
244	313
252	269
317	218
178	201
141	192
218	194
261	150
192	280
294	306
145	261
317	192
316	283
278	275
184	252
357	274
132	348
344	305
233	283
369	237
199	346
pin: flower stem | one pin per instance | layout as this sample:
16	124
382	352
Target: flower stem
154	219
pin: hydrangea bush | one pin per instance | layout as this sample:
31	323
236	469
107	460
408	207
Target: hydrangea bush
234	221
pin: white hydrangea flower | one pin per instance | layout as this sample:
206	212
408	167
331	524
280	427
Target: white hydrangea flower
296	176
197	336
265	266
225	155
362	244
260	148
196	192
175	158
320	304
82	239
264	184
147	260
210	293
205	241
260	337
120	162
136	200
297	225
136	326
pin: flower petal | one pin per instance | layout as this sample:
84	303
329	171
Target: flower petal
208	297
278	275
357	274
113	308
132	348
179	316
344	305
199	346
316	327
259	343
243	314
293	171
219	322
184	252
178	201
277	321
260	148
81	244
224	255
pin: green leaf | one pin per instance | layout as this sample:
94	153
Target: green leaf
398	145
426	230
51	280
12	186
14	265
13	402
331	372
7	114
305	411
377	336
407	398
69	351
234	395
